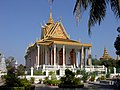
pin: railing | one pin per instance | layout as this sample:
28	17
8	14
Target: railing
87	68
95	68
55	66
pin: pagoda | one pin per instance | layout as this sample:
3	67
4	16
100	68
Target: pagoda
105	56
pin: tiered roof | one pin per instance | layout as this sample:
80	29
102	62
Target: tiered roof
105	56
55	33
53	30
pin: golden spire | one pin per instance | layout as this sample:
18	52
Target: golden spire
50	21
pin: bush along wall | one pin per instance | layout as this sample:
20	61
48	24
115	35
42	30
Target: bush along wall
70	81
12	82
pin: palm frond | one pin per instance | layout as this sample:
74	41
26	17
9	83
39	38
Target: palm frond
118	29
79	8
50	2
97	13
115	6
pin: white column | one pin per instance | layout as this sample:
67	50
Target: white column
51	56
106	70
114	70
63	55
89	57
82	57
47	73
54	55
38	56
77	58
32	71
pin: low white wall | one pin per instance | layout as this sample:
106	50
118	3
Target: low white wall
28	77
1	74
114	75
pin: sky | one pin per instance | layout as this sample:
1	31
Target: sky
20	25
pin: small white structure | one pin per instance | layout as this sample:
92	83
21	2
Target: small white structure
114	70
3	65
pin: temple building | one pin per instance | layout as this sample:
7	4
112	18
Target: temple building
56	51
105	56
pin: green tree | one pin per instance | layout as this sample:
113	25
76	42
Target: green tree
95	62
118	63
21	70
108	63
9	61
117	42
11	78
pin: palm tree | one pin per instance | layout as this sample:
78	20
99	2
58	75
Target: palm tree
117	42
97	10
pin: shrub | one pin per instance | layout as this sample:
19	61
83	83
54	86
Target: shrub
46	80
85	75
44	73
36	72
18	88
69	80
53	76
102	78
92	78
40	80
53	82
25	83
51	73
78	72
32	80
107	75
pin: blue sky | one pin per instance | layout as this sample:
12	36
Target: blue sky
20	25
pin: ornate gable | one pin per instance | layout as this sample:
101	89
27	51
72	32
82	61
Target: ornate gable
59	32
53	30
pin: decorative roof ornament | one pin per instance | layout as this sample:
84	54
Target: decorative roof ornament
50	21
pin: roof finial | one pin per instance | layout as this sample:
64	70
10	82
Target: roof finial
50	18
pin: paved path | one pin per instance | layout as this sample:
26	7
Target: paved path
86	87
